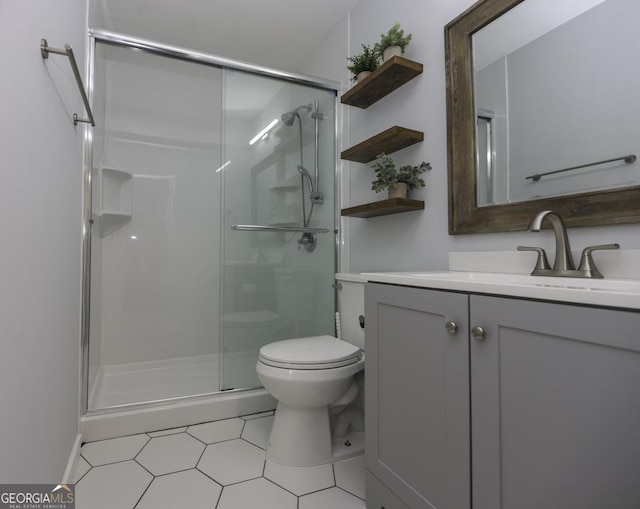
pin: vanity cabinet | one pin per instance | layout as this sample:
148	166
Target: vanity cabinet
417	397
540	408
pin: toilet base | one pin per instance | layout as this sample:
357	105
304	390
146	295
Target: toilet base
342	451
300	437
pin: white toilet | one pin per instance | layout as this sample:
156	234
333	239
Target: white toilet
309	376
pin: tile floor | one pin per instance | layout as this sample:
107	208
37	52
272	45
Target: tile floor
216	465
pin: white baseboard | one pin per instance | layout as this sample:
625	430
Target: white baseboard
69	472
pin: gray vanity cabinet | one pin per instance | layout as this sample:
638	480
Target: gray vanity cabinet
555	399
416	398
539	409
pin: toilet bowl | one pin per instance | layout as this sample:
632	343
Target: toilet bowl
304	388
309	377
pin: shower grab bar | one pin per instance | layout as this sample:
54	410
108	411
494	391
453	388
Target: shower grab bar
282	229
627	159
67	51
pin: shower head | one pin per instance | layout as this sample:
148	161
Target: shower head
289	116
305	173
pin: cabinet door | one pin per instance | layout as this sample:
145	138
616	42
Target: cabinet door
417	396
555	411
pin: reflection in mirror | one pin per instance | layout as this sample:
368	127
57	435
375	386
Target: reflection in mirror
551	96
562	93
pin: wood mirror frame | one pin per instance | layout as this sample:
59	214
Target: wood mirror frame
617	206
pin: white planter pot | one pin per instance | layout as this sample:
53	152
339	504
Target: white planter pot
362	76
400	191
392	51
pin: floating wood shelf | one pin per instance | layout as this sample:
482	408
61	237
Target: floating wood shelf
387	141
394	73
384	208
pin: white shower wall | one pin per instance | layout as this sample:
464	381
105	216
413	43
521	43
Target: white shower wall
157	278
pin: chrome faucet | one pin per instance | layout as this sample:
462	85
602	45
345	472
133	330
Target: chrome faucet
563	265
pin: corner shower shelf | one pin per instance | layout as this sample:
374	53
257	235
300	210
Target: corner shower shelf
106	223
112	198
389	141
394	73
384	208
283	188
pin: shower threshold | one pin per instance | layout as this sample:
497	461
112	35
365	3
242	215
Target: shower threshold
141	382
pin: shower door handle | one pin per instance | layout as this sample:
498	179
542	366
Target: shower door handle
281	229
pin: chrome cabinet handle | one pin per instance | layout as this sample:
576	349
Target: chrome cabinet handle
478	333
451	327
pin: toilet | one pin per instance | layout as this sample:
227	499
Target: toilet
313	378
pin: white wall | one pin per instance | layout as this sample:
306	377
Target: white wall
40	207
420	240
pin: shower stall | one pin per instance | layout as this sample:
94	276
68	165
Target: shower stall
212	223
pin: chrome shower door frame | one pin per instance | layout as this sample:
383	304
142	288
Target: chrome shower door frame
185	54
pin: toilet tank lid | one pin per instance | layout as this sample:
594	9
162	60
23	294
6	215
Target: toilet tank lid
311	350
356	278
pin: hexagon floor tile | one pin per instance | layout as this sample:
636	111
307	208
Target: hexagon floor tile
258	493
257	431
114	485
111	451
189	488
176	468
300	480
333	497
217	431
350	475
232	461
170	453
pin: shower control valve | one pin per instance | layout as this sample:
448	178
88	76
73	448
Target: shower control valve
308	240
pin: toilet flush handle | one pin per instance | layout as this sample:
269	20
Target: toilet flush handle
361	321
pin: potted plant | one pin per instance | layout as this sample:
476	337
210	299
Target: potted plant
363	63
392	43
397	180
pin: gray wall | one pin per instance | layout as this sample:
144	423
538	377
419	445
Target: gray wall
573	107
40	207
420	240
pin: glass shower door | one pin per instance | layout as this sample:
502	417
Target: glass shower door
155	234
278	174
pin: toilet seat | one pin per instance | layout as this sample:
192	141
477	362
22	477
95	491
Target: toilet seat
317	352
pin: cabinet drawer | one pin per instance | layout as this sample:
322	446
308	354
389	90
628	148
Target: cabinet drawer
379	496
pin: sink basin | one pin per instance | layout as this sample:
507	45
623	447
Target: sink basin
623	293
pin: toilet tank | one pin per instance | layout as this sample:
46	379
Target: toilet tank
295	293
351	307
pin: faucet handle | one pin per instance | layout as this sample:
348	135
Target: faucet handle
587	264
542	263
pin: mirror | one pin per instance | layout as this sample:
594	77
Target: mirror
488	186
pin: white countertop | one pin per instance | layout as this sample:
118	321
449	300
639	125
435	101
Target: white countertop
619	293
